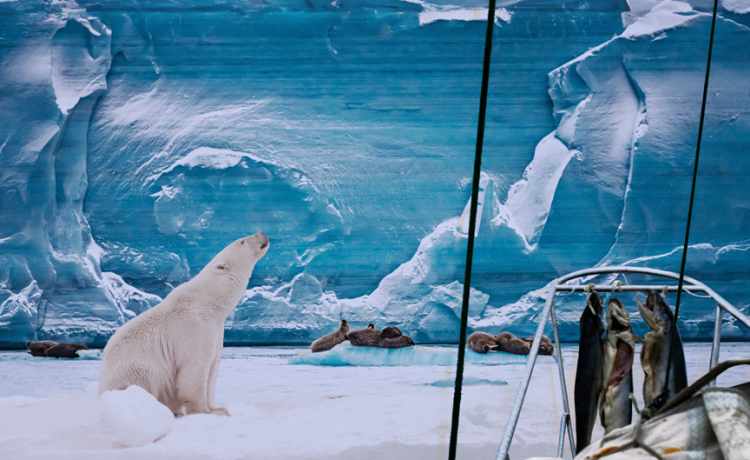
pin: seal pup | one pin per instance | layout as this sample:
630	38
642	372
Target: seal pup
655	352
510	343
390	332
64	350
615	408
400	341
331	340
390	337
589	370
38	348
481	342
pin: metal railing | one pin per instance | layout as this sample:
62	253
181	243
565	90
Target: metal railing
691	287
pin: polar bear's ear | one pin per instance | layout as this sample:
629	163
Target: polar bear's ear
221	268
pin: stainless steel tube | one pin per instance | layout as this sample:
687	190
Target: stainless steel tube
515	412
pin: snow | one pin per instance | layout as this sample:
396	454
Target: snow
136	143
282	411
135	416
432	13
529	200
665	15
206	157
736	6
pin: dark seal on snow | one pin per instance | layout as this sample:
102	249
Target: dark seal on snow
64	350
390	337
38	348
331	340
545	348
511	344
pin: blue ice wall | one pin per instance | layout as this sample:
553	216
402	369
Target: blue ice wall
139	138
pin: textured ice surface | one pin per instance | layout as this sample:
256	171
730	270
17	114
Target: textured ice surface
287	412
346	354
136	142
135	416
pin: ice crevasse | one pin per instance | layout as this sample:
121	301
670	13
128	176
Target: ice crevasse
136	143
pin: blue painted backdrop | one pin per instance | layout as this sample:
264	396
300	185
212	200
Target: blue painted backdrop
137	139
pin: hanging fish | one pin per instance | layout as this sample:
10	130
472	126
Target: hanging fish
655	353
615	409
588	371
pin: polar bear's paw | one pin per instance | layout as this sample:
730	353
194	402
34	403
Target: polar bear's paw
219	411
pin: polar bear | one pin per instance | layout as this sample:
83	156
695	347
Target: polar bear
173	350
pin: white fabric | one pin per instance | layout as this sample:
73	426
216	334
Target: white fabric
714	426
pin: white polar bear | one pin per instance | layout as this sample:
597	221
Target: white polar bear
173	350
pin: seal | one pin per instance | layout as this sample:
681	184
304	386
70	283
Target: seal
38	348
481	342
391	332
511	344
364	337
64	350
390	337
401	341
545	348
331	340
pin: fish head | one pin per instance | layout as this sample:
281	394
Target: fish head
661	310
647	314
595	303
656	313
618	318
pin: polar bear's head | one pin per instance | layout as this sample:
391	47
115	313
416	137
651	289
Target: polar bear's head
239	258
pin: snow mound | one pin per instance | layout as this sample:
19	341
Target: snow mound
349	355
92	389
135	416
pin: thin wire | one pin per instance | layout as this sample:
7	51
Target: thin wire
472	230
660	400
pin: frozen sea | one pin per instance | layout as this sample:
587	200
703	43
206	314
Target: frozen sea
285	411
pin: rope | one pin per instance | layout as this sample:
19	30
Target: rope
662	399
472	230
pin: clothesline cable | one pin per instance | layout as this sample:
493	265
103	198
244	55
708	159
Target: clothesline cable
662	398
472	231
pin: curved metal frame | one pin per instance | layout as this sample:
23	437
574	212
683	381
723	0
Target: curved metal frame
692	286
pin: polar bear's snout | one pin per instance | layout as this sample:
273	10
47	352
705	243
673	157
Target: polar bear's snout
259	240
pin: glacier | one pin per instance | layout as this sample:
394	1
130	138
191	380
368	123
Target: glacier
137	139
